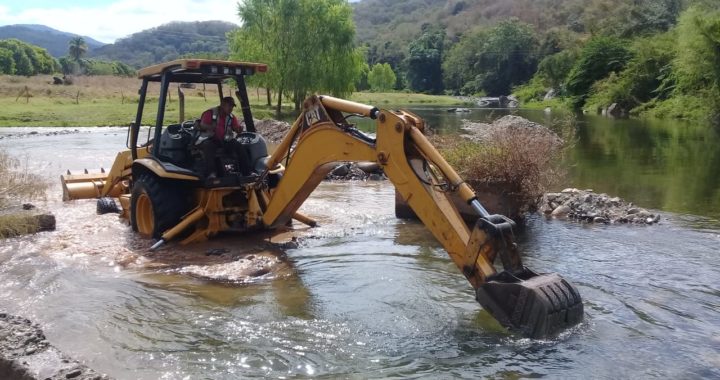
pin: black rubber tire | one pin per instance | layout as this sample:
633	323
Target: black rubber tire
169	201
107	205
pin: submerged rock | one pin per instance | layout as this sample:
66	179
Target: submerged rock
590	207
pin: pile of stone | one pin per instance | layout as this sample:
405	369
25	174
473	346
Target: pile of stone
272	130
484	132
361	171
25	353
590	207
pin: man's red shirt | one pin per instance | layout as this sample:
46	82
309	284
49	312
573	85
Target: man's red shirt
220	123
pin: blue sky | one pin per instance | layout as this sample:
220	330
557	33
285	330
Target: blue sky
108	20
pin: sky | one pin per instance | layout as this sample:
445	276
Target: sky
108	20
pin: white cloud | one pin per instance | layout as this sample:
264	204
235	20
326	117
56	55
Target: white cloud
119	19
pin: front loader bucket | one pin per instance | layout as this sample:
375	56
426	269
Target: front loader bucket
538	306
83	186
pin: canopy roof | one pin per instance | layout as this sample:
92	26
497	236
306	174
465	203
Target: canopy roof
200	70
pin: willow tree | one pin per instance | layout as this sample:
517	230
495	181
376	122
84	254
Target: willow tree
308	44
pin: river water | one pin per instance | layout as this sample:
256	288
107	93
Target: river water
368	296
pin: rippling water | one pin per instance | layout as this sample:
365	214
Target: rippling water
364	296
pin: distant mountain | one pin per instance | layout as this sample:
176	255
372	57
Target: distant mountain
55	41
168	42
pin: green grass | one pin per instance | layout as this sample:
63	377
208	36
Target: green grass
403	99
64	112
48	112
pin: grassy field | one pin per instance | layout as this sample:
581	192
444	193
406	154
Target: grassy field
108	100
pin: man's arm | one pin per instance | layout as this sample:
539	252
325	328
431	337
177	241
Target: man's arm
206	122
236	126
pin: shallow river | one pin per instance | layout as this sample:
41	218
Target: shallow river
369	296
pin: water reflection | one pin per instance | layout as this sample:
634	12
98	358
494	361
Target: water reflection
666	165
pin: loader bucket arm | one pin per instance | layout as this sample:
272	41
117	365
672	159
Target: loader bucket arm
536	305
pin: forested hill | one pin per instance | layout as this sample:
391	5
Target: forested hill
54	41
387	26
168	42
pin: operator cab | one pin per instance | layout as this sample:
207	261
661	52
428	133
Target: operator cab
175	146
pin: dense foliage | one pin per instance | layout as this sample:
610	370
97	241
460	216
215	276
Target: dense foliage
168	42
492	60
600	57
424	60
309	45
20	58
381	77
651	57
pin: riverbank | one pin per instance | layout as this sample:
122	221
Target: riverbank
108	100
26	354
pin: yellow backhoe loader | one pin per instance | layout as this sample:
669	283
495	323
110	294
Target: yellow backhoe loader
164	195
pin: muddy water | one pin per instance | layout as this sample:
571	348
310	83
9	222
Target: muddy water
364	296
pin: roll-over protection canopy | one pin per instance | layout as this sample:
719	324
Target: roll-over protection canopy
200	70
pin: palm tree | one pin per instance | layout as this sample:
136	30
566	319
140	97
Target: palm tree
77	48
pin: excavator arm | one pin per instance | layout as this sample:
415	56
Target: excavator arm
520	299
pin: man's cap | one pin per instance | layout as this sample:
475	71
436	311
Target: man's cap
229	99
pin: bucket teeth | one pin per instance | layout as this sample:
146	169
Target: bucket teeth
540	306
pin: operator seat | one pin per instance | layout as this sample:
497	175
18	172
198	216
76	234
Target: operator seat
256	146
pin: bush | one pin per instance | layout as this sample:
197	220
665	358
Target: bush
534	90
519	162
647	76
601	56
17	185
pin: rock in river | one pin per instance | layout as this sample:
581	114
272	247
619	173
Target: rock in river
590	207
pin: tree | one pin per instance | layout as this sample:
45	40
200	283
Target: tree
424	60
308	44
651	16
507	57
23	64
459	65
601	56
492	60
697	63
555	68
77	48
381	77
25	59
7	64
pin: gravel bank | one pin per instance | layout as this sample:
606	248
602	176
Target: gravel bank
25	354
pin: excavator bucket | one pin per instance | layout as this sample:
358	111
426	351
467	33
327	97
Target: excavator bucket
537	306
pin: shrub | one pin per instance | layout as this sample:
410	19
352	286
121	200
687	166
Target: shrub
601	56
647	76
17	185
517	161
